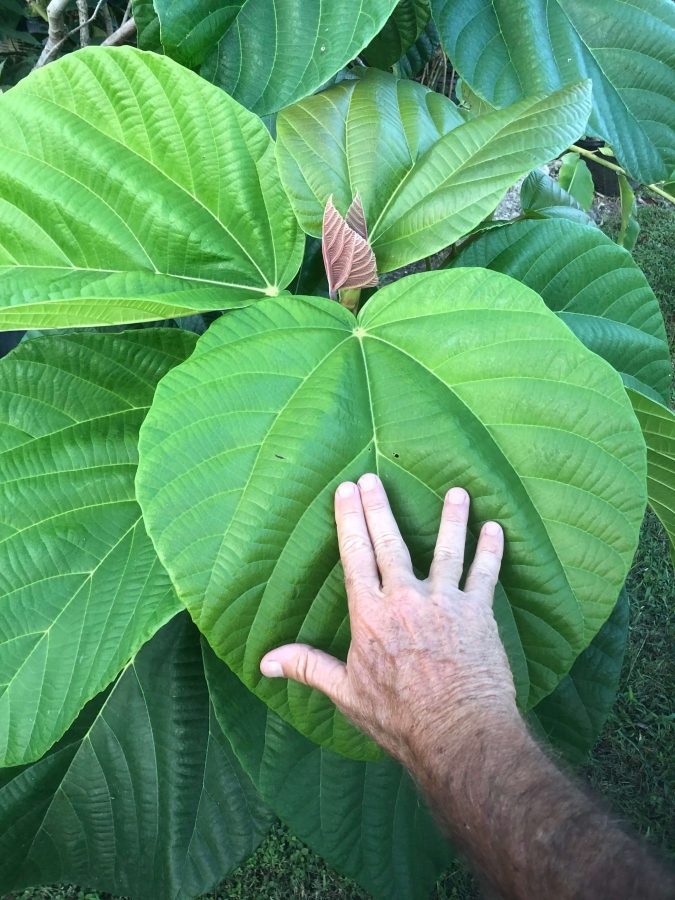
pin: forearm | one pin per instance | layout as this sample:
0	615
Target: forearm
525	827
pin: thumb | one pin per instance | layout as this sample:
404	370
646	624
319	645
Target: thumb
308	666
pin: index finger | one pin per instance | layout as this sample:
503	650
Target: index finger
356	548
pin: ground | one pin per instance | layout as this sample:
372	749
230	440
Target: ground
632	764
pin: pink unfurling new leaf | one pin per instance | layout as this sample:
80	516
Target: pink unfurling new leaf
347	255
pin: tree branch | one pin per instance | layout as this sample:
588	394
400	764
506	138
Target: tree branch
123	34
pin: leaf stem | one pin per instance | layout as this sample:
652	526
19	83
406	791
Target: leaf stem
589	154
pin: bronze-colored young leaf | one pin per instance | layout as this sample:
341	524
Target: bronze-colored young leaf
348	257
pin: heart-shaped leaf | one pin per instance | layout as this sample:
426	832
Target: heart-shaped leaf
80	581
131	190
595	287
269	53
509	49
425	177
449	377
143	796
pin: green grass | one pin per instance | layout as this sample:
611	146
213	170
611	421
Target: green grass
631	766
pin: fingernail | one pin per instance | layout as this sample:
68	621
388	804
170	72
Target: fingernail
271	669
346	489
368	481
457	496
492	529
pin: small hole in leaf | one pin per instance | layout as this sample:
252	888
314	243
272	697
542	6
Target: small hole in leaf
395	455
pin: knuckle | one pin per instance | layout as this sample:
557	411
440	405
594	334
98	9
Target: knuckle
448	554
388	541
355	543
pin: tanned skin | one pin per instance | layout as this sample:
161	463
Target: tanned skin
427	677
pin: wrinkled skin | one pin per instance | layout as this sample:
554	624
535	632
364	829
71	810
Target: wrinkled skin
425	658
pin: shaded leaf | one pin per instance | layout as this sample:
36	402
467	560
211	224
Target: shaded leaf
158	196
400	32
269	53
592	284
143	796
658	427
416	57
630	227
365	819
573	716
444	378
575	178
425	177
311	278
509	49
542	196
82	588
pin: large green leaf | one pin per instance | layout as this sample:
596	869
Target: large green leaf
269	53
81	584
401	30
447	377
143	796
658	427
366	819
424	177
509	49
572	717
131	190
592	284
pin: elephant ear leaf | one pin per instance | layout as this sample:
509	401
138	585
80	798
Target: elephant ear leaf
143	796
158	196
82	588
459	376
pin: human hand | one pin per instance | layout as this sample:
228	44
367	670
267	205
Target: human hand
426	666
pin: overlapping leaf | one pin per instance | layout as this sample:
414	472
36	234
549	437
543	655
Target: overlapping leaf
425	177
541	195
143	796
450	377
269	53
572	717
131	190
509	49
365	819
658	427
404	26
593	285
81	587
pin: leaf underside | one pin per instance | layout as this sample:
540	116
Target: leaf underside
347	255
284	400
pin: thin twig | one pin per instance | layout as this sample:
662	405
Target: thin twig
83	15
55	15
46	55
127	13
589	154
123	34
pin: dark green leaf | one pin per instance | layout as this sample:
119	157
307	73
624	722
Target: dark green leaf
542	196
365	819
576	179
401	30
143	796
509	49
572	717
